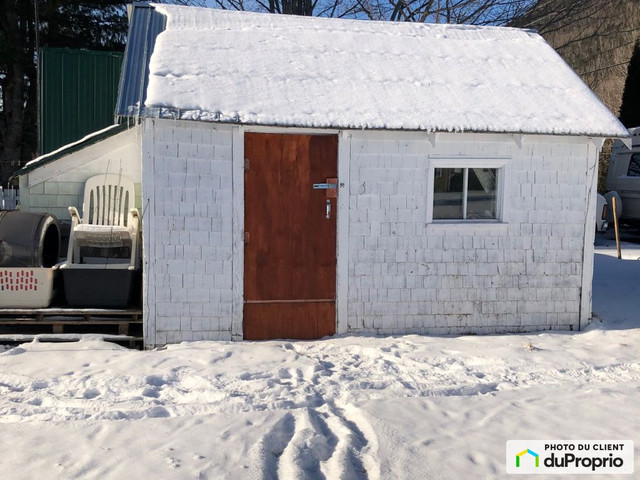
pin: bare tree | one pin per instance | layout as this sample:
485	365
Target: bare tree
316	8
476	12
595	37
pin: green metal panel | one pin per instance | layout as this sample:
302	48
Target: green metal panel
78	92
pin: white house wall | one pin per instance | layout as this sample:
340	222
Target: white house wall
187	231
524	274
55	186
396	273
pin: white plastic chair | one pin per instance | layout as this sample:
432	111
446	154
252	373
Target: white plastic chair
109	221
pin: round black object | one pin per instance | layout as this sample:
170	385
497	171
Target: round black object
29	239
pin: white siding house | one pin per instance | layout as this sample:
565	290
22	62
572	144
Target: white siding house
466	176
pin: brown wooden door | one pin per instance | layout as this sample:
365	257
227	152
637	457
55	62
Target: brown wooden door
290	245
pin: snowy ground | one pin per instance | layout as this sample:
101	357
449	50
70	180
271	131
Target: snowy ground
354	407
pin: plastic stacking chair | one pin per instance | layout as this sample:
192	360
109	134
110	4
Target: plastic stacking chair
109	222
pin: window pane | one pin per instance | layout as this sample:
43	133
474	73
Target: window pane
481	196
634	166
447	193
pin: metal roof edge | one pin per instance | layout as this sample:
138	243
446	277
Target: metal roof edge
87	141
145	24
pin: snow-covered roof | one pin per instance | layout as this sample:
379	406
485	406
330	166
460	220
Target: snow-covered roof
72	147
265	69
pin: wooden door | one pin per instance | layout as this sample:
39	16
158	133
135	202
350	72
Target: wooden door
290	244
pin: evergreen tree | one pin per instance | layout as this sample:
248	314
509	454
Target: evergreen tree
630	109
26	25
94	25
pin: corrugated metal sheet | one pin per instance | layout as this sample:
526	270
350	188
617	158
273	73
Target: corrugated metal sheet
78	91
145	25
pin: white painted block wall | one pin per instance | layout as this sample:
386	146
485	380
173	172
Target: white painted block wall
187	186
406	276
402	274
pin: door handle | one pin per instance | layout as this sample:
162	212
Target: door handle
331	191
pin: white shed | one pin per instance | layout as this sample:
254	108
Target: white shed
304	177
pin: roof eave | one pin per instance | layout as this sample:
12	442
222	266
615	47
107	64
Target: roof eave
70	148
172	113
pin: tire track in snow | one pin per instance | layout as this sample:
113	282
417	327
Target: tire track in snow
312	444
272	445
316	444
356	454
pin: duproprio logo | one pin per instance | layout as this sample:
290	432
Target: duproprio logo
530	452
543	457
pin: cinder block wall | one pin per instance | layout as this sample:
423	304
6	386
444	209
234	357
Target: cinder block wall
406	276
187	234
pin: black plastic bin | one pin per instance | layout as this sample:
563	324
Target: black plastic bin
102	287
29	239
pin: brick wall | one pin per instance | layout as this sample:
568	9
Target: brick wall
408	276
187	183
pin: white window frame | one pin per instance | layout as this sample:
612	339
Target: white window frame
501	164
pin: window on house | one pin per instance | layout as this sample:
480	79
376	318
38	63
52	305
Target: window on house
634	166
465	193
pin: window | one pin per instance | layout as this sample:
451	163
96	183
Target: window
466	190
634	166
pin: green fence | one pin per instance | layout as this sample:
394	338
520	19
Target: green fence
78	92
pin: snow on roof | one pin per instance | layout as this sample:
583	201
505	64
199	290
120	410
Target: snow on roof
72	147
284	70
